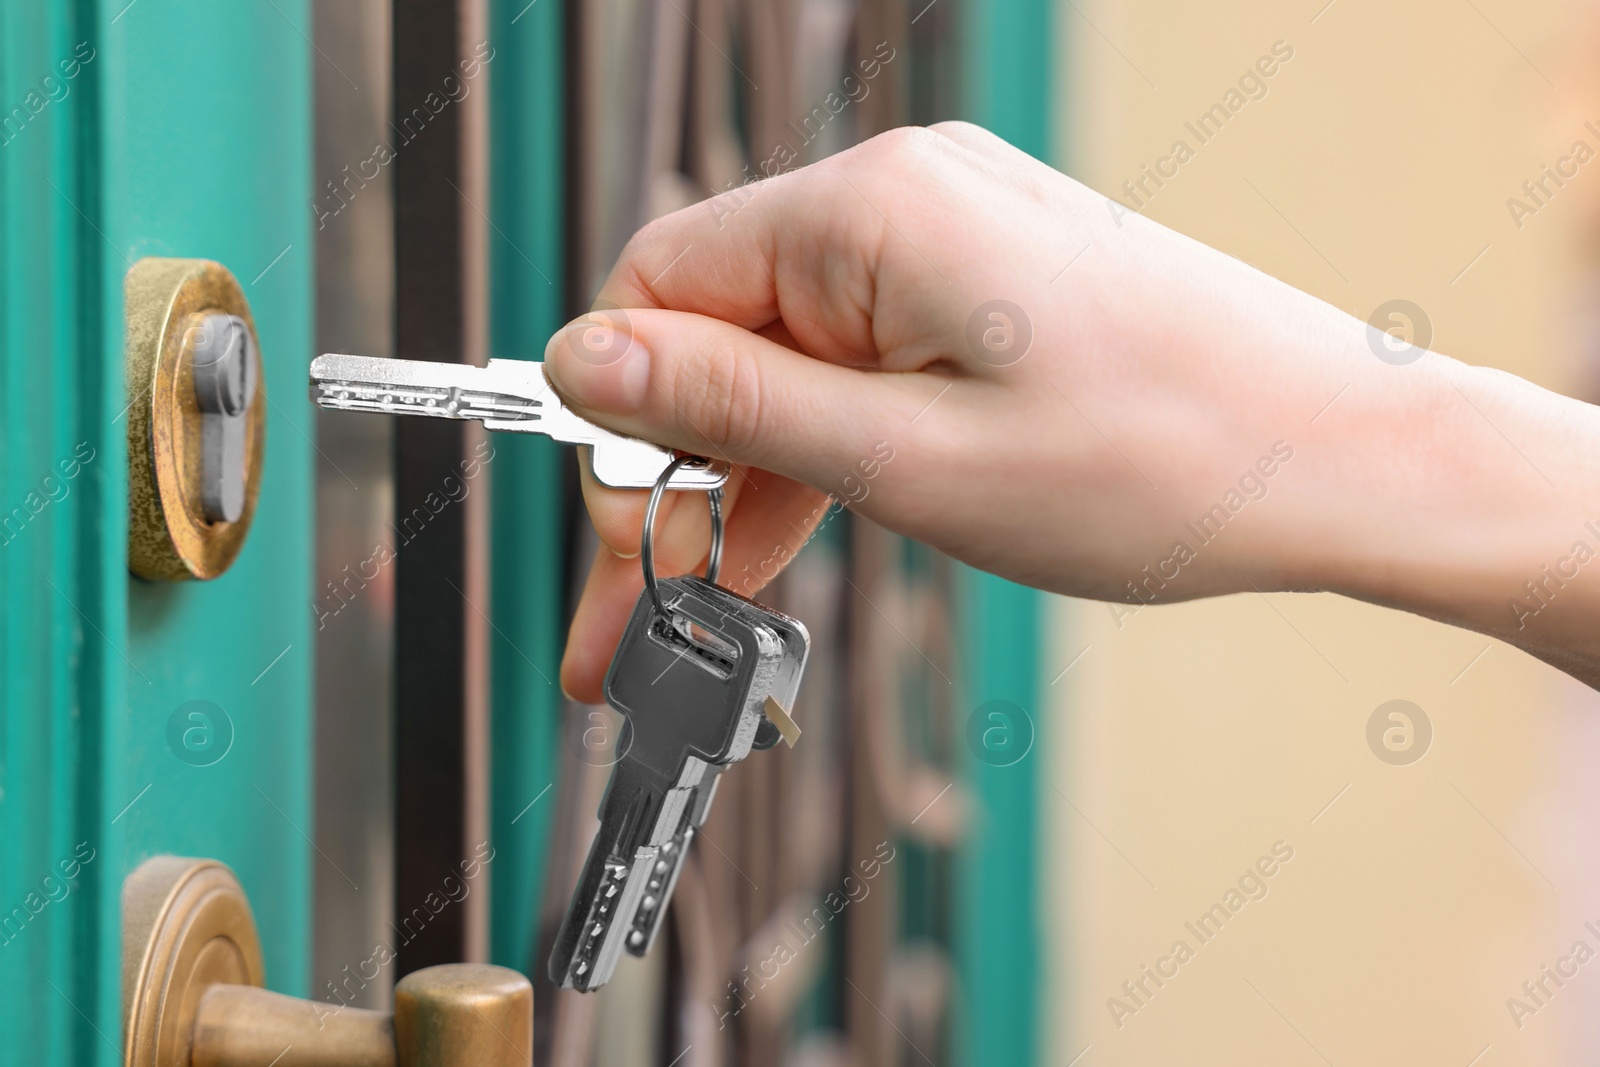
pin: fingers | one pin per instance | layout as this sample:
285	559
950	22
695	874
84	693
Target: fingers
682	518
738	329
614	585
814	235
774	519
722	257
609	594
714	389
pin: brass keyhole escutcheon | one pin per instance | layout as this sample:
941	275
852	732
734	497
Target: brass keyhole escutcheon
196	418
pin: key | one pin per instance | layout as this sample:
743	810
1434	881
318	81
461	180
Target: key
691	684
783	690
687	684
510	395
792	632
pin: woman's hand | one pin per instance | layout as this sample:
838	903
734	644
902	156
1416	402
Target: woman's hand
975	351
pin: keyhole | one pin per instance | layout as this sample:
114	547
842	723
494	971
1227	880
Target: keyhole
224	382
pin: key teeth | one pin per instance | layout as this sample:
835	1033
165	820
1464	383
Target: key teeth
580	972
449	402
647	918
591	965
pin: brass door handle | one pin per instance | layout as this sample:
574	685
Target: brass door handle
192	993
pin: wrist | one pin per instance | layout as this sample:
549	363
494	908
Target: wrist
1469	496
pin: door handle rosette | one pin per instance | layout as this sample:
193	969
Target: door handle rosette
192	996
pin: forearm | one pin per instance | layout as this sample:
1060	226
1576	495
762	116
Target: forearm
1472	497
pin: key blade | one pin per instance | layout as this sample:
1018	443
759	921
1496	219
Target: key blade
692	681
508	395
632	866
505	395
601	909
590	939
670	857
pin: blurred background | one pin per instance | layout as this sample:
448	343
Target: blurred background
1430	880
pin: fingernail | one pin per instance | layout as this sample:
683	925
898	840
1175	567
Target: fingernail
598	365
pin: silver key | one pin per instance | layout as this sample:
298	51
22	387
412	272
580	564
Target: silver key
692	684
796	639
510	395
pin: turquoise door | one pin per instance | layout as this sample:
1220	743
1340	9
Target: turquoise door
140	718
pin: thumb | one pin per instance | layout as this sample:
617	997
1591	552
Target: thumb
714	389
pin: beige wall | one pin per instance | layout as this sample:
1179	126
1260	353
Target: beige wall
1187	741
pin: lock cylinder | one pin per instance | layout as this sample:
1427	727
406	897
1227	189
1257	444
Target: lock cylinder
224	369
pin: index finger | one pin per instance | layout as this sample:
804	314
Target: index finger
794	252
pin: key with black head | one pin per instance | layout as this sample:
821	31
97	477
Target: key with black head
783	687
691	681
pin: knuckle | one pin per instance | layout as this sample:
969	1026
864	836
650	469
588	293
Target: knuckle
921	155
878	169
962	139
723	400
643	256
908	143
957	128
649	237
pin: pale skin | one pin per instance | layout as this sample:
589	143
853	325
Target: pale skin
797	327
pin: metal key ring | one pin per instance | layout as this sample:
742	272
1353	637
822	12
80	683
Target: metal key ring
647	538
